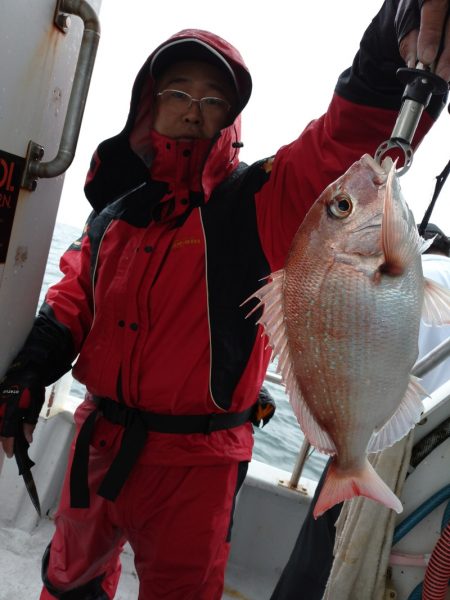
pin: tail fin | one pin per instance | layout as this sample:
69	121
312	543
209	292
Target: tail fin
365	482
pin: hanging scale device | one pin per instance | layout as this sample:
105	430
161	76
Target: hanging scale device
420	84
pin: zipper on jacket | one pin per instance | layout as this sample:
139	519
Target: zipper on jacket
209	320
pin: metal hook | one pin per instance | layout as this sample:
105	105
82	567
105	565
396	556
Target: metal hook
405	148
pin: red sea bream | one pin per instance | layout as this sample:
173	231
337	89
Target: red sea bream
343	318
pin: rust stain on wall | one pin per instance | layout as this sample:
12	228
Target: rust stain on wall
21	256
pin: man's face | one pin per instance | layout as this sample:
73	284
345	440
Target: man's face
175	118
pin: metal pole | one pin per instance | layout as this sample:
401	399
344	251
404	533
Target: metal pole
34	168
432	359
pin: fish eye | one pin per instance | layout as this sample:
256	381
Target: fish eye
340	206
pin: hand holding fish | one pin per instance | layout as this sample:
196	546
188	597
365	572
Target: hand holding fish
423	32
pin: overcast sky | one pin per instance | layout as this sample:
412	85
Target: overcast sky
294	54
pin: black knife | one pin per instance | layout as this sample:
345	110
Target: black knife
24	464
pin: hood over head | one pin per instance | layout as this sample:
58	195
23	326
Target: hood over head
196	49
122	162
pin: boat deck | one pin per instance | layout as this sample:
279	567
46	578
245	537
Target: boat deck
20	562
21	578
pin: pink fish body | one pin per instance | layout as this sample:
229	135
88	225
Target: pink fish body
343	318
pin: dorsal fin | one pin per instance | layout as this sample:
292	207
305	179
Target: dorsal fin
270	298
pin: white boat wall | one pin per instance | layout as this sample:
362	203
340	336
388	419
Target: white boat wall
47	50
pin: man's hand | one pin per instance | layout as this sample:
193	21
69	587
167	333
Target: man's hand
423	28
20	406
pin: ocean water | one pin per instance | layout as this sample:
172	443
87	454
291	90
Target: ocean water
277	444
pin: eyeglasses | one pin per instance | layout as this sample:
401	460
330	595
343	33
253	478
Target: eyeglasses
181	101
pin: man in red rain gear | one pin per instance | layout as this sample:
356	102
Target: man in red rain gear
181	234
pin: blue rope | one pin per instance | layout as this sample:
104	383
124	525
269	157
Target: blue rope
420	513
416	594
445	517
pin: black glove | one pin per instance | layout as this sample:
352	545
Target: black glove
264	408
21	399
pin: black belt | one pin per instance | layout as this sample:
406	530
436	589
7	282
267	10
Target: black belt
136	424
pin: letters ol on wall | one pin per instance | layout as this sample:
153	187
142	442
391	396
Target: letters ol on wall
11	168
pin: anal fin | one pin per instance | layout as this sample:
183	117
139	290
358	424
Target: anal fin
403	420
